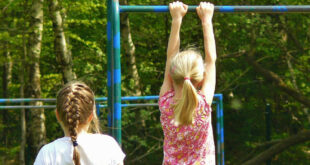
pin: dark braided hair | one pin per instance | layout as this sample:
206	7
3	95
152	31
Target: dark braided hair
75	104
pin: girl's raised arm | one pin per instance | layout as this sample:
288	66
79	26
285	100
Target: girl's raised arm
177	11
205	13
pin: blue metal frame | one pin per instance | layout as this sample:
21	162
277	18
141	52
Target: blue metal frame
218	101
116	39
223	9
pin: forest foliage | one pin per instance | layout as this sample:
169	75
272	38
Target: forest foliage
262	58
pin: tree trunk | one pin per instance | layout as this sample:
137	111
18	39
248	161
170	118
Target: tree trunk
7	72
22	160
63	54
22	120
36	126
130	50
279	147
6	81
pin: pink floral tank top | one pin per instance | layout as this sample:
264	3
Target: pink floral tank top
191	144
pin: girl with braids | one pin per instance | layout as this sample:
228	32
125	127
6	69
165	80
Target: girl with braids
76	114
187	93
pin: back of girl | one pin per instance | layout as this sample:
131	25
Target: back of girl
76	114
187	93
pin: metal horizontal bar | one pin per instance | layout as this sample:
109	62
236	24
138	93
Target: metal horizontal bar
125	98
27	106
131	98
224	9
102	99
133	105
19	100
216	96
140	105
54	106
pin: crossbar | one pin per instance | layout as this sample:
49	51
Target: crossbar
54	106
124	98
223	9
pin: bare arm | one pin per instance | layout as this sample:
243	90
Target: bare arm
177	11
205	13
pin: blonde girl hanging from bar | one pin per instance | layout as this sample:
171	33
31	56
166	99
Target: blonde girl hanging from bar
187	93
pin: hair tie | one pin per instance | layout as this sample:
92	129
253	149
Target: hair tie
187	78
75	143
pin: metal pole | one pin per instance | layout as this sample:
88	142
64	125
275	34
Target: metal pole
218	134
222	128
19	100
124	98
224	9
116	73
268	128
98	110
98	106
27	106
110	68
132	98
140	105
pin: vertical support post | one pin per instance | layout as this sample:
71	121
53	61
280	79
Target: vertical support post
218	154
110	67
218	133
117	108
268	129
98	109
222	129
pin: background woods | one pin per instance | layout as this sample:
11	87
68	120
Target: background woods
262	58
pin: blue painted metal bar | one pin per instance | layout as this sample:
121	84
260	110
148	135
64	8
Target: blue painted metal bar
27	106
19	100
222	129
98	106
110	71
131	98
125	98
218	134
98	109
140	105
133	105
116	61
224	9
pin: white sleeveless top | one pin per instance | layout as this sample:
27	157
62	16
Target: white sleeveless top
94	149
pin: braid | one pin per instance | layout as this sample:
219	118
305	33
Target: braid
75	103
72	110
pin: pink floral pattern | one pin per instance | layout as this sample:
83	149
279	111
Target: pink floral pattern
187	145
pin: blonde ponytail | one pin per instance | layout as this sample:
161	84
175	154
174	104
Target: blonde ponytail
186	69
185	107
